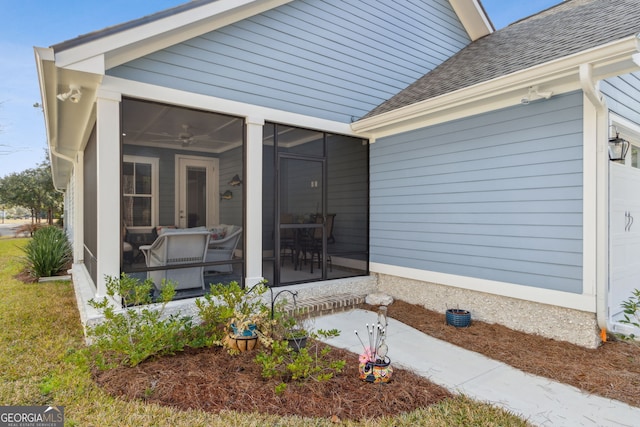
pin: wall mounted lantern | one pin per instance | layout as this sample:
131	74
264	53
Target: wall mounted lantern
618	148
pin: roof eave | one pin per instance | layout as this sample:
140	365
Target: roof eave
129	42
560	76
473	17
66	123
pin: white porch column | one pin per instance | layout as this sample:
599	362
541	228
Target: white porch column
78	209
108	187
253	197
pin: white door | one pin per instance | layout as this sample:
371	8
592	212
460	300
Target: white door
624	238
196	184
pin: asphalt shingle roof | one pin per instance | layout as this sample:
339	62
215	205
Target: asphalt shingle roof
568	28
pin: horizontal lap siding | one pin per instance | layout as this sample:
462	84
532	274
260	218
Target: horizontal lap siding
623	95
496	196
333	59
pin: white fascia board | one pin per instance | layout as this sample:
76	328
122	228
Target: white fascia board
473	18
93	65
143	39
558	76
582	302
47	80
209	103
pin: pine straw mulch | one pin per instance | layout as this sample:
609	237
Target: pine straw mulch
612	370
212	380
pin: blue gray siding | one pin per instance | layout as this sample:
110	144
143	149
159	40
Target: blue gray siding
333	59
496	196
623	95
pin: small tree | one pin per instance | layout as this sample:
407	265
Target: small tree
32	189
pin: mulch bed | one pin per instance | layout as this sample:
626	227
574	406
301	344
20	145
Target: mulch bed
212	380
612	370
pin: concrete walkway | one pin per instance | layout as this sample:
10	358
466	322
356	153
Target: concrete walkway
539	400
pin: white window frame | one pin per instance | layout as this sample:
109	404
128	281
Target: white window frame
155	188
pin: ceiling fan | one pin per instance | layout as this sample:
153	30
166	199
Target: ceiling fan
186	137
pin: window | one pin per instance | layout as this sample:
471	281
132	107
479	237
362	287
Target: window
140	191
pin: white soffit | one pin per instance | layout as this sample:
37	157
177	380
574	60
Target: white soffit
473	17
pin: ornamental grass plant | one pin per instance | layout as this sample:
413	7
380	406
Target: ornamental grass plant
48	252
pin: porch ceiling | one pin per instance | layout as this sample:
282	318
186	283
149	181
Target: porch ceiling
161	125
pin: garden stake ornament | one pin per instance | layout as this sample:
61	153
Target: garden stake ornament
375	366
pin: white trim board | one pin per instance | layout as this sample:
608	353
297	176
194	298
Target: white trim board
162	94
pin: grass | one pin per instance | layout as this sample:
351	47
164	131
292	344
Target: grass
42	359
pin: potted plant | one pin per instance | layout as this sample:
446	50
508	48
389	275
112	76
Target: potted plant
243	312
458	317
297	331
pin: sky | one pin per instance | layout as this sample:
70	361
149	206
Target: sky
42	23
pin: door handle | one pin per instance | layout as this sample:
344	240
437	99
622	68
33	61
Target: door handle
628	221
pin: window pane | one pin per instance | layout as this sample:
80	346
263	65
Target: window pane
196	197
141	211
634	156
127	210
143	178
127	178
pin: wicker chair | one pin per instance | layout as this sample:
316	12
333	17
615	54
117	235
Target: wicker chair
174	248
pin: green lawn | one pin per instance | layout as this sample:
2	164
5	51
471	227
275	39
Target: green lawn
42	363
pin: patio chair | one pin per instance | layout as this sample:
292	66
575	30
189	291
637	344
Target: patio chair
287	239
312	243
175	248
222	246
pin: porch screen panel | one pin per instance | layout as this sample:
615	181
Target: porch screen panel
311	177
348	205
183	168
90	207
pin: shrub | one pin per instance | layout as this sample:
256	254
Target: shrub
48	252
139	331
230	304
631	313
285	363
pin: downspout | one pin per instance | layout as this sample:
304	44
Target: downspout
59	155
598	101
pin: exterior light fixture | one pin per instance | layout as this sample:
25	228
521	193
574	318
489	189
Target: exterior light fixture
74	95
535	94
618	148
